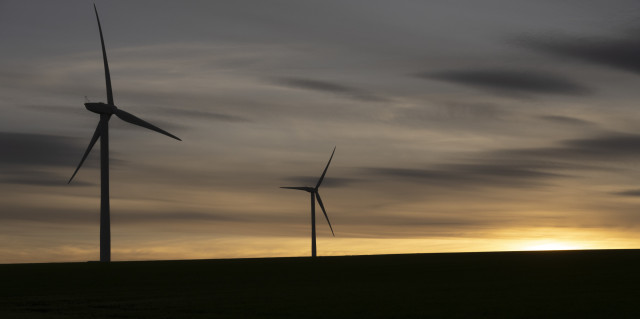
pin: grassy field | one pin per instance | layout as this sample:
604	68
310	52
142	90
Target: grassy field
557	284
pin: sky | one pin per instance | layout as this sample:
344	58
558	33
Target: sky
458	126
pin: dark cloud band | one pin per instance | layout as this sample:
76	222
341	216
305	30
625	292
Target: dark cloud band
510	81
621	53
328	87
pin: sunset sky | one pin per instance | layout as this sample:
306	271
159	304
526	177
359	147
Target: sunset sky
459	126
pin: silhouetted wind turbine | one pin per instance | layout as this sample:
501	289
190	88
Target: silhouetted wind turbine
102	132
314	193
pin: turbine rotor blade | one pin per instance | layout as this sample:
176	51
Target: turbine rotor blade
107	75
128	117
93	141
325	169
325	213
300	188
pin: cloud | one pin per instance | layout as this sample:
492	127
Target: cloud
38	178
472	175
620	52
73	214
510	81
25	149
629	193
609	147
565	120
206	115
328	87
328	182
524	167
27	158
70	215
53	109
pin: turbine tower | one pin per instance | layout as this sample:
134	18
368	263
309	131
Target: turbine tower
315	194
102	132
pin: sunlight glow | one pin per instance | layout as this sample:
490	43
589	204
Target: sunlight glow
552	245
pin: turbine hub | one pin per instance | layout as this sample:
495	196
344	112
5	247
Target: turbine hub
100	108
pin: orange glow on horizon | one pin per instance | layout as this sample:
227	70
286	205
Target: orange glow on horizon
131	244
553	245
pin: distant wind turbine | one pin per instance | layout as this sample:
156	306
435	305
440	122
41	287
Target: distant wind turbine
102	132
314	194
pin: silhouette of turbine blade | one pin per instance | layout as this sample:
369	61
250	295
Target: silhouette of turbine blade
94	139
325	169
325	213
300	188
128	117
107	75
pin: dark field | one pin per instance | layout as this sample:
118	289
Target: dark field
561	284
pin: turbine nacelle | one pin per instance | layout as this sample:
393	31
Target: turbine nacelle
101	108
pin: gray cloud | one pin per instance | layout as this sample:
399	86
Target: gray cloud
137	217
473	175
37	178
527	167
329	87
612	145
53	109
73	215
455	116
196	114
328	182
620	53
605	147
565	120
510	81
27	149
26	158
79	216
629	193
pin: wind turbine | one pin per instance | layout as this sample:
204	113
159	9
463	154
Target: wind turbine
102	132
315	194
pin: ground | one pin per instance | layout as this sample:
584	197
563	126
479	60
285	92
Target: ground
552	284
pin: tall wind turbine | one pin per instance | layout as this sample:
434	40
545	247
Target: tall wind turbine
102	132
315	194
